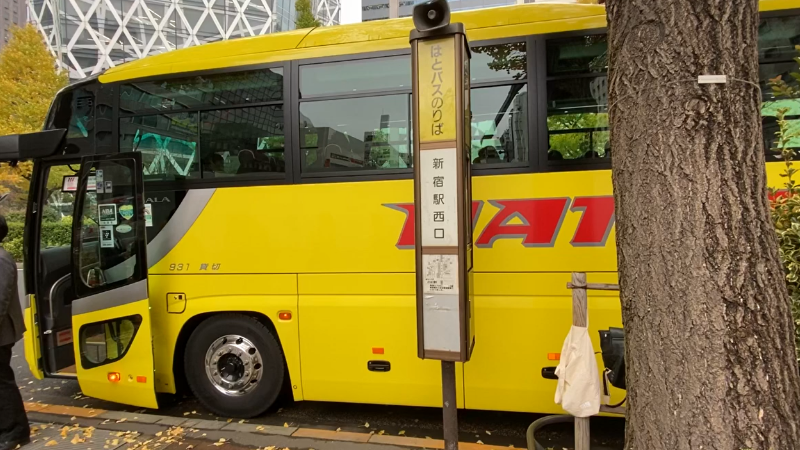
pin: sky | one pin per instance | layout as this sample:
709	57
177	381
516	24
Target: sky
351	11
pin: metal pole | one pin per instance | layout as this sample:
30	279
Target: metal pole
580	318
449	406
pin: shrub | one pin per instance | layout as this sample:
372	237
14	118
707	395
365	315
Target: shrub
785	208
54	234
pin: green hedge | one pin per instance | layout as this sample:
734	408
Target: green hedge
54	234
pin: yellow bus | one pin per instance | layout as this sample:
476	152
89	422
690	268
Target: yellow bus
211	240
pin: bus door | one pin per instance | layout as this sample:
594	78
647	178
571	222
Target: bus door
53	189
110	314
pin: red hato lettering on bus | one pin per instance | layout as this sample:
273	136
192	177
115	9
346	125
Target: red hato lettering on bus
539	221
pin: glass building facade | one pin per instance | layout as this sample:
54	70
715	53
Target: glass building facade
88	36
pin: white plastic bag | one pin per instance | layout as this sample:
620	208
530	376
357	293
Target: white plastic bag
578	389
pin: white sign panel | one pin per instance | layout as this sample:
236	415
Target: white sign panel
440	322
441	274
439	197
440	313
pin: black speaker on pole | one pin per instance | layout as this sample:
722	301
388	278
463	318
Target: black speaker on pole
431	15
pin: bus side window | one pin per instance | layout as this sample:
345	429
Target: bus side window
499	100
109	229
777	38
105	342
577	97
203	126
356	115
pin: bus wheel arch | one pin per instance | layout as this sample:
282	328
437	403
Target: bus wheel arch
255	327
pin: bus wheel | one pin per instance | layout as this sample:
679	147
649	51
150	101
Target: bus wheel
234	365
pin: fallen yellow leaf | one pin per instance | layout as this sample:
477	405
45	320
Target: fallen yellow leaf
230	420
259	428
122	420
488	432
380	432
338	430
366	425
402	432
186	413
480	442
241	421
286	425
77	439
51	443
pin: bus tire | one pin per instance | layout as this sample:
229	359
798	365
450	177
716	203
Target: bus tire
234	365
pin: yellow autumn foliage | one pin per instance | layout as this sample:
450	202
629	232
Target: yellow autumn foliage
29	81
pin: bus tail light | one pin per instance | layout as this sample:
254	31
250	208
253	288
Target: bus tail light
554	356
141	379
114	377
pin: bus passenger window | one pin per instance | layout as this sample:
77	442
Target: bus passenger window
777	37
356	115
499	101
577	97
356	134
242	141
167	142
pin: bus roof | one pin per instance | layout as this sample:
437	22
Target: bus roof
481	24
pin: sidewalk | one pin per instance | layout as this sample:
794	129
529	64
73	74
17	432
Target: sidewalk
63	427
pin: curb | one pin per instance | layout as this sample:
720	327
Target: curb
218	425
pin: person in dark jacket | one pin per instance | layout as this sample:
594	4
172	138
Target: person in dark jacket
14	428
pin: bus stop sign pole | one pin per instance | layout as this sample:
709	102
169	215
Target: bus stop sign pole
443	197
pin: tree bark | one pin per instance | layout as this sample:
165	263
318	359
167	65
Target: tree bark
709	336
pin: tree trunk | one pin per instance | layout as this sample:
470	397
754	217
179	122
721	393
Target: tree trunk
709	335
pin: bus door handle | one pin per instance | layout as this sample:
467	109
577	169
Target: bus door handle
379	366
50	317
549	373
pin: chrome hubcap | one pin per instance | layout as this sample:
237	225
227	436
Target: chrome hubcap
234	365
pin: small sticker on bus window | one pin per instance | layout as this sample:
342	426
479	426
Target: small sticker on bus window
91	185
98	177
124	229
70	183
108	187
126	211
148	214
107	214
106	237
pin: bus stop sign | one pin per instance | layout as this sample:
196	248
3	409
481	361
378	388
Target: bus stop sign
442	185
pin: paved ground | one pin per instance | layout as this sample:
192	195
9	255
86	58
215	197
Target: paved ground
490	428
